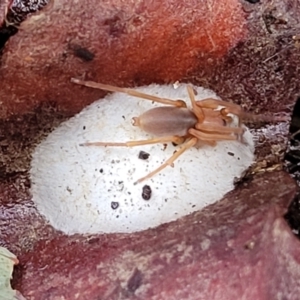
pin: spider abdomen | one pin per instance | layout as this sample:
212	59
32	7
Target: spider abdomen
166	121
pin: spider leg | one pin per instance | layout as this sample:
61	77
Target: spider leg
213	129
197	109
173	139
189	144
131	92
214	104
203	136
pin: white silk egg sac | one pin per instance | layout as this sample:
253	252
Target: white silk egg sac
90	189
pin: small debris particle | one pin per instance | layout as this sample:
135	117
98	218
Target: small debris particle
261	138
135	281
230	153
101	170
146	194
143	155
93	240
176	85
120	186
83	127
82	52
114	205
249	245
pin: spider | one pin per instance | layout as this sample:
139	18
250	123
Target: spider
204	123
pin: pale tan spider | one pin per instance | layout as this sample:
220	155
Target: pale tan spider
175	123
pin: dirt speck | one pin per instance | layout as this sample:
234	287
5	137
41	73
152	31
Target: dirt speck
147	192
143	155
114	205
